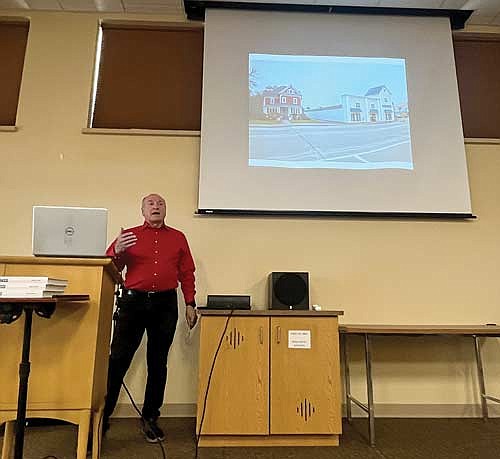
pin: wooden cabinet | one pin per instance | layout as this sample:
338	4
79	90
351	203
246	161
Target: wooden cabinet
276	379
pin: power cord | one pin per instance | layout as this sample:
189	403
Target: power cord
209	380
146	421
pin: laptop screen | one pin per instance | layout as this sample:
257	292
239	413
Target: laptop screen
69	231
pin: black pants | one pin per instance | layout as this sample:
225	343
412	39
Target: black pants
158	316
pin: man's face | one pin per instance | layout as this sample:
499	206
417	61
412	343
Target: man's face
154	209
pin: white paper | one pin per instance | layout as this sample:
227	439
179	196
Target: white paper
299	339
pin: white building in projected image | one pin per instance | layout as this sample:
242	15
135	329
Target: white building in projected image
375	106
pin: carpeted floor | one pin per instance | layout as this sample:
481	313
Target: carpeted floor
396	439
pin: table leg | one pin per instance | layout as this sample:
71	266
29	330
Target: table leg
369	389
347	377
97	433
480	378
8	439
24	372
83	434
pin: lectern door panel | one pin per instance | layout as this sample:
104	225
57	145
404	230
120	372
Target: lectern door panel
238	396
305	376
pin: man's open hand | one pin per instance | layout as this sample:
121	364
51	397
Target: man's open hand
124	241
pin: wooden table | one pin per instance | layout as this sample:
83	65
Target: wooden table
369	331
45	307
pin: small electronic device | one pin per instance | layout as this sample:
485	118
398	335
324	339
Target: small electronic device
228	302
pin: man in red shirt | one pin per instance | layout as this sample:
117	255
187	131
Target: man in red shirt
157	258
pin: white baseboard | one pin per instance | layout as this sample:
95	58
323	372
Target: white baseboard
382	410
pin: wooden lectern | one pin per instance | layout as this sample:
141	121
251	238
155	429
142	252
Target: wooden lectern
69	352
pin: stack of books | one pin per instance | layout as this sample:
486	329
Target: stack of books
31	286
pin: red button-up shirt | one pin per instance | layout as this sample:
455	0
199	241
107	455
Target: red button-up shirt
159	260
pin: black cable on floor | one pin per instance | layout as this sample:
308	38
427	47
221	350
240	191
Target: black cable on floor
144	419
208	382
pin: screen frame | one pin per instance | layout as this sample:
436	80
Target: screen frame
195	10
337	214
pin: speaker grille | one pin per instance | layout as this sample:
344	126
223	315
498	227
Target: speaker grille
305	409
235	338
290	289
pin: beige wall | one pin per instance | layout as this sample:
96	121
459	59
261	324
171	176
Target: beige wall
378	271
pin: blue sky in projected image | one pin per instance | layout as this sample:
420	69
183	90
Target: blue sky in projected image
322	80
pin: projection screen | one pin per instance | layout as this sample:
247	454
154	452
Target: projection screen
306	112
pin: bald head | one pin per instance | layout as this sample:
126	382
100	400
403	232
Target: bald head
154	209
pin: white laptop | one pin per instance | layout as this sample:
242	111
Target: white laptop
69	231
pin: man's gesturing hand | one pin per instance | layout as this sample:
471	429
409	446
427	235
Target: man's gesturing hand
124	241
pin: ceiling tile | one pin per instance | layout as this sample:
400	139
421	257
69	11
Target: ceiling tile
44	4
317	2
343	2
453	4
160	9
484	5
154	6
484	8
149	3
13	4
109	5
91	5
478	18
77	5
411	3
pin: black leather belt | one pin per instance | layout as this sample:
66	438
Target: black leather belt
142	295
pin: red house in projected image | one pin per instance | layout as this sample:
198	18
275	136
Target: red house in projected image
282	103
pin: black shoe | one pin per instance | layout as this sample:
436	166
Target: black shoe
152	431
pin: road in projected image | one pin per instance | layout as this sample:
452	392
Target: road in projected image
335	146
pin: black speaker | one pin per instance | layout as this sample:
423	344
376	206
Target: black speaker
289	291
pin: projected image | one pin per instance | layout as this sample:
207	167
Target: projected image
328	112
